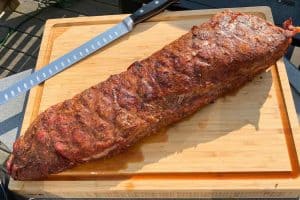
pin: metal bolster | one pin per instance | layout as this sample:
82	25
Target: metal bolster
128	22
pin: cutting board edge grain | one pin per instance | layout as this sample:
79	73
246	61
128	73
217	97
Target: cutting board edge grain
136	186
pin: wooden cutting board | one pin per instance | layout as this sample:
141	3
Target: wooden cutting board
247	140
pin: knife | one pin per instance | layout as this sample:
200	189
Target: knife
86	49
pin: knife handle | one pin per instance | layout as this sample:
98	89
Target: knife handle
150	9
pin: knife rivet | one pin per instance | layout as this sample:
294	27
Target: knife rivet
25	86
6	97
12	93
81	53
31	82
110	37
19	89
99	43
156	2
116	33
69	61
141	11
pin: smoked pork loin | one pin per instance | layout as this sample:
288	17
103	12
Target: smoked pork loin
209	61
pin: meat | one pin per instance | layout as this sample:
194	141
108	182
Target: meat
209	61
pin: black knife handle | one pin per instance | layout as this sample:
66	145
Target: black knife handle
150	9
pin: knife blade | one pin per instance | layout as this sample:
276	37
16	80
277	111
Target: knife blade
86	49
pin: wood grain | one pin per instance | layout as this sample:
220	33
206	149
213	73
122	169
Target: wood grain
246	141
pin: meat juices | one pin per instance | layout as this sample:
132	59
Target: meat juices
209	61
